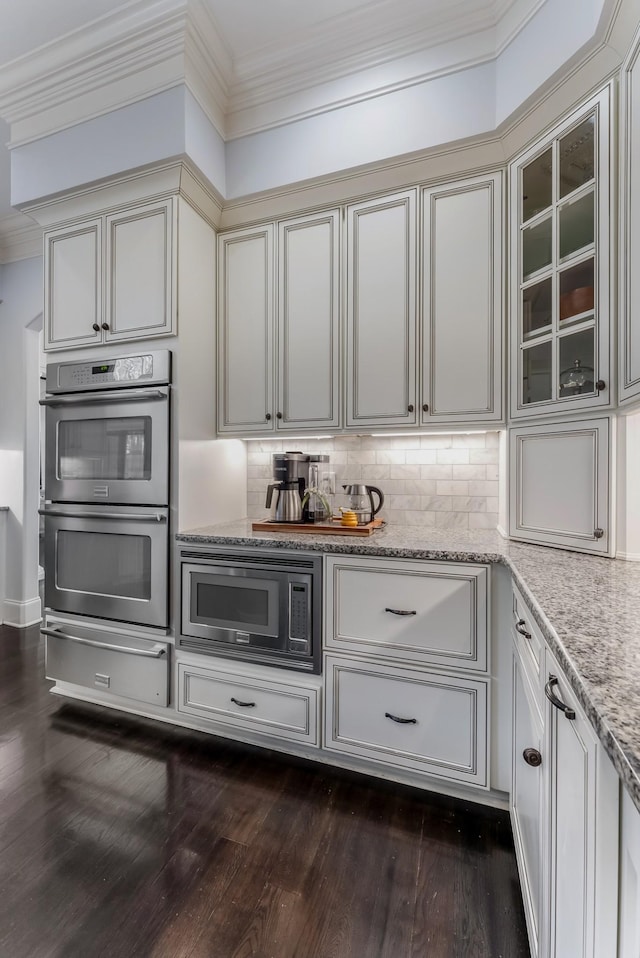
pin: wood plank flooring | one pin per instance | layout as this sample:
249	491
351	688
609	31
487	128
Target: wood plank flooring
122	838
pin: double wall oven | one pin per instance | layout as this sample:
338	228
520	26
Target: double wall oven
106	518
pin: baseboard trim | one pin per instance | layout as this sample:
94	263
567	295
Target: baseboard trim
628	556
20	615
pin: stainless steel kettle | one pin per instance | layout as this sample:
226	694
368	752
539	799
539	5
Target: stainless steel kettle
361	501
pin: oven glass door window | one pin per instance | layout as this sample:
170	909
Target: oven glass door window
105	449
243	604
104	564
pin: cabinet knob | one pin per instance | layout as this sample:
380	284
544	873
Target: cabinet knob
105	325
96	328
598	533
278	415
425	407
600	385
410	407
532	757
267	416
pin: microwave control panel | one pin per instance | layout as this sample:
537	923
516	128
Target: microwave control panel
299	617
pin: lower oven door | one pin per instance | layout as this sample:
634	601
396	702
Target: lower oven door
132	666
110	562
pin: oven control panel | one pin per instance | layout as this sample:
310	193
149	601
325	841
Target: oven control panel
109	373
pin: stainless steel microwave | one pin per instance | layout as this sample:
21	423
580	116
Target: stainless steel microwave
252	604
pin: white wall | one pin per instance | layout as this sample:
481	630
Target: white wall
20	318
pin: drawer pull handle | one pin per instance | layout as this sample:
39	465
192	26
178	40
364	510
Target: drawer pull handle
243	705
558	703
532	757
519	628
400	612
400	721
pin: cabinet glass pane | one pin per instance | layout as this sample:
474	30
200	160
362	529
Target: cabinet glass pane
576	292
536	373
576	157
536	309
576	221
536	247
576	364
537	186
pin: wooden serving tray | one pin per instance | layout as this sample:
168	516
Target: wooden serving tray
329	528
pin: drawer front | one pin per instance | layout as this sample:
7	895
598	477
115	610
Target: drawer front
434	613
527	639
132	667
286	711
422	721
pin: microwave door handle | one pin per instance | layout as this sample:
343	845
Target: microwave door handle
125	516
122	395
155	653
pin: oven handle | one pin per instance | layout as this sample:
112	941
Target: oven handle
155	653
127	516
121	395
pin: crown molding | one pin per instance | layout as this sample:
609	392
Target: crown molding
20	238
112	62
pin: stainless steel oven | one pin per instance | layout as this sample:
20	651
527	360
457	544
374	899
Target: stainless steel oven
107	430
252	604
107	561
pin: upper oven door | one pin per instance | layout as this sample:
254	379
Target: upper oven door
110	446
110	562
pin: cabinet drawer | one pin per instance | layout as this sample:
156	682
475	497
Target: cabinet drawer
429	612
286	711
127	665
527	639
423	721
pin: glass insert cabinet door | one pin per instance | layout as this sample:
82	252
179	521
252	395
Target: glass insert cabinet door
560	201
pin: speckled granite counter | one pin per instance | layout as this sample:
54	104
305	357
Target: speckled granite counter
588	609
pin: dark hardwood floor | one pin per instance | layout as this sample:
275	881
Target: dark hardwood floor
123	838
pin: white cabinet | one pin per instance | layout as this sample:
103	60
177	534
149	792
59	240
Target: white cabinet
245	330
629	208
112	278
406	683
279	367
425	612
308	322
527	797
582	844
559	484
246	699
560	290
629	940
408	719
381	311
463	301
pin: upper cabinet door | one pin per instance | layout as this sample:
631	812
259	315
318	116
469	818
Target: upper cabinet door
560	289
245	330
381	311
73	286
559	484
463	309
308	322
141	272
629	368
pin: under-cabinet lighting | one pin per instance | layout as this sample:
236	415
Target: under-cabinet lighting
283	438
435	432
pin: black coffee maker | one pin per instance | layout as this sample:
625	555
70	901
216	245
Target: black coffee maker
285	495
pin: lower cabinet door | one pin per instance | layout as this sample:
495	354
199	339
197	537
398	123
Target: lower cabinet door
410	719
527	798
583	812
265	706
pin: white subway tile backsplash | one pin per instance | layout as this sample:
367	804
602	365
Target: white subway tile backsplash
448	481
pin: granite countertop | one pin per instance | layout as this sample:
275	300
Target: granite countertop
587	607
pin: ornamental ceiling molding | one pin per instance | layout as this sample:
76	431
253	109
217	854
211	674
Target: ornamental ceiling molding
149	46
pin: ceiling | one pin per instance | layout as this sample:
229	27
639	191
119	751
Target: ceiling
263	46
